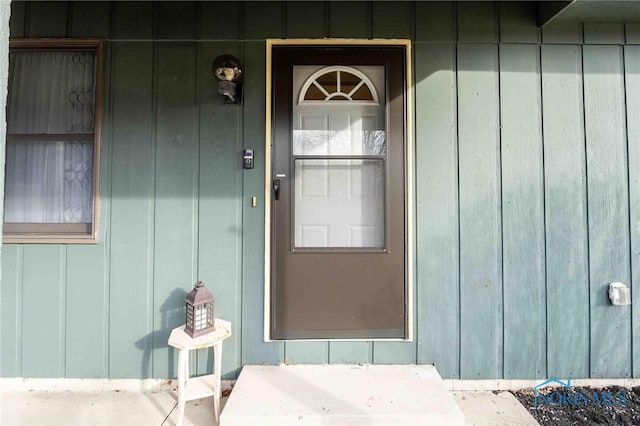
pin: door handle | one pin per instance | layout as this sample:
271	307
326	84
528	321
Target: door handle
276	189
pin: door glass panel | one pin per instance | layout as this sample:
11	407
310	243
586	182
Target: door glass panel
328	82
348	82
360	139
340	84
362	93
339	203
314	93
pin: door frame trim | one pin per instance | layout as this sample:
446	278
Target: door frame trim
409	180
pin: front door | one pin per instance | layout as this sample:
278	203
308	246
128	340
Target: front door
338	193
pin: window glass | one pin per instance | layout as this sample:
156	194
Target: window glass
49	182
339	158
338	83
51	92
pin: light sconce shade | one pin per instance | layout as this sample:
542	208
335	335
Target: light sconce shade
228	71
200	319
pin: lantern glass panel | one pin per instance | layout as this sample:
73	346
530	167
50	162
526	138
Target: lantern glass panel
201	317
189	316
210	314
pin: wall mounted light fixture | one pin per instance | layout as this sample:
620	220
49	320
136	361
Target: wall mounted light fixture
619	294
228	70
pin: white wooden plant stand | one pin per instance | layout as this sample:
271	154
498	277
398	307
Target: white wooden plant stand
202	386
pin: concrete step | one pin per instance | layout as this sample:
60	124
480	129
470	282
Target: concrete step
482	408
340	395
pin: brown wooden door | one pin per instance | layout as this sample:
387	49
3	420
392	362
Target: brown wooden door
338	199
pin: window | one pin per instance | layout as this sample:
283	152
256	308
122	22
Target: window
338	83
53	141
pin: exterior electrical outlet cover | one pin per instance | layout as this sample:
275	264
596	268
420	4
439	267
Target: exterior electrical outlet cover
619	294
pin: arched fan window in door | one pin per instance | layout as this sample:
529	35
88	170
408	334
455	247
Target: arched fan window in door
338	84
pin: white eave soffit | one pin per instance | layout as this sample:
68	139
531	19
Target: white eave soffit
588	11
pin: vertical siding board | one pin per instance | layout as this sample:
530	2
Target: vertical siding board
392	19
17	19
132	20
518	23
562	33
349	19
10	307
62	302
350	353
305	19
175	193
477	22
603	33
481	347
608	208
254	349
86	295
395	352
132	203
306	353
47	19
42	340
438	285
91	19
104	230
565	213
220	205
176	20
632	74
522	213
263	19
435	21
219	20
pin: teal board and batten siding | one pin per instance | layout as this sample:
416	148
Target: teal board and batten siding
527	187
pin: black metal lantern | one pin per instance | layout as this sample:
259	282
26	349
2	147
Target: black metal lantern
228	70
200	319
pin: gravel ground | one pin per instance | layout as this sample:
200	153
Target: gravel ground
583	405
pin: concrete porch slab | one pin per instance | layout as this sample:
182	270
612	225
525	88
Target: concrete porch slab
340	395
490	408
106	407
101	408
